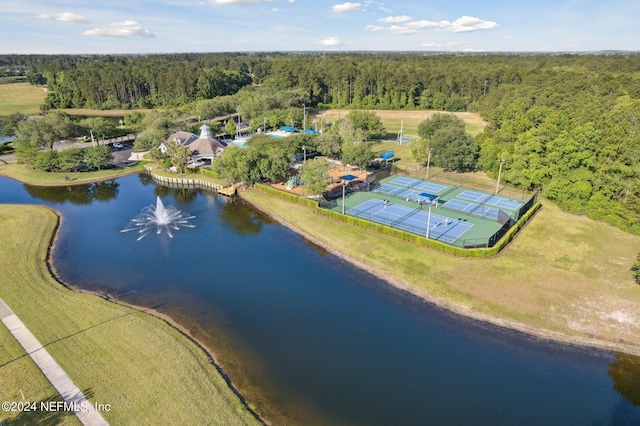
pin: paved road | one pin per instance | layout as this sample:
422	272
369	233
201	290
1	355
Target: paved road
69	392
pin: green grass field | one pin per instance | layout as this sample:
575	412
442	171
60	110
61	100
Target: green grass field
409	120
564	276
21	97
25	174
147	371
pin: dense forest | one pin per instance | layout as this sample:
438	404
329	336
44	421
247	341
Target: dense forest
564	124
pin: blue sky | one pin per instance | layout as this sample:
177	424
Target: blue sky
165	26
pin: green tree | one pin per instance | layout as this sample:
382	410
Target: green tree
156	155
95	157
329	144
274	161
237	164
134	119
357	154
9	123
36	79
70	159
99	126
454	149
156	127
419	150
26	150
314	175
367	121
231	128
428	127
46	160
179	155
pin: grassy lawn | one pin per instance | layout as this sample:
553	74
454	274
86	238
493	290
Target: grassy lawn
564	277
410	119
146	370
160	171
21	97
25	174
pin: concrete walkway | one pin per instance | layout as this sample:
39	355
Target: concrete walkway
69	392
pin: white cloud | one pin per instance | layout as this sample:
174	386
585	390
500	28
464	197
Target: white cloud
66	17
466	24
460	25
374	28
223	2
345	7
400	30
128	28
332	41
72	17
395	19
423	24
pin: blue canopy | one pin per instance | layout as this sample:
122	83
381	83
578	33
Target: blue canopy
427	195
287	128
386	155
310	132
348	177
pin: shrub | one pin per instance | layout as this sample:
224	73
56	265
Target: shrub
636	269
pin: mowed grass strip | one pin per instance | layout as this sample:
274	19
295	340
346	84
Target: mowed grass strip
146	371
564	277
21	97
25	174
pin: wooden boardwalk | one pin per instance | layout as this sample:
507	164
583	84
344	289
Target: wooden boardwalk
229	191
70	393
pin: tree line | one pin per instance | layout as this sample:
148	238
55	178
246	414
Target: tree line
564	124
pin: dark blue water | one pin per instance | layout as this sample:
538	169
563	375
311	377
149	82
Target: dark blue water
313	341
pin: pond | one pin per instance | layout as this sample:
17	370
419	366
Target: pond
310	339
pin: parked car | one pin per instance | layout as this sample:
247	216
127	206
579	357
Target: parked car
118	145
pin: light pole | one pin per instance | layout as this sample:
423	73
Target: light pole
304	150
264	124
343	186
428	163
499	173
429	218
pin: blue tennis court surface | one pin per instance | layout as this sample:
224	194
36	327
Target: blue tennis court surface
472	208
399	191
492	200
424	186
441	228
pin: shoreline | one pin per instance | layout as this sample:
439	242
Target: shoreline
551	337
546	335
167	319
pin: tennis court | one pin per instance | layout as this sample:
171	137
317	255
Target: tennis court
422	185
492	200
413	220
472	208
401	192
